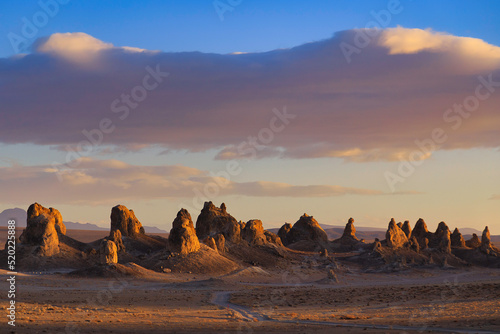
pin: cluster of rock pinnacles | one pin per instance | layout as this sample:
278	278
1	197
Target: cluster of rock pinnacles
215	227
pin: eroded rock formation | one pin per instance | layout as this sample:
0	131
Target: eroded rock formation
284	234
253	232
457	240
42	228
443	238
306	228
125	221
473	242
108	252
407	229
413	244
213	220
220	241
350	230
348	240
273	238
486	240
36	209
210	242
395	236
421	233
182	238
116	237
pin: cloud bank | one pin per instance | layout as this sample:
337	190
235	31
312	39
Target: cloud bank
395	90
111	181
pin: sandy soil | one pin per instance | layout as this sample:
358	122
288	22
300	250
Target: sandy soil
259	301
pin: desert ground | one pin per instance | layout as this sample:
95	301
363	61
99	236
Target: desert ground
226	276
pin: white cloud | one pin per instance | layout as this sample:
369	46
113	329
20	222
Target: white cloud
78	46
72	43
475	53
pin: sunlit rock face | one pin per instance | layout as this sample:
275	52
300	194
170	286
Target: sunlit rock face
108	253
125	221
253	232
486	239
42	228
395	236
306	228
182	238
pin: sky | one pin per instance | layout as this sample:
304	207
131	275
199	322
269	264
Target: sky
338	109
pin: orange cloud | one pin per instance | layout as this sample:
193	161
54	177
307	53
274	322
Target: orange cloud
111	181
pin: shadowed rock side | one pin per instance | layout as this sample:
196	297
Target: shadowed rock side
210	242
220	242
213	220
273	238
486	245
116	237
305	229
457	240
124	220
42	228
421	233
407	229
473	242
285	235
129	236
237	241
442	238
182	238
413	245
350	230
348	241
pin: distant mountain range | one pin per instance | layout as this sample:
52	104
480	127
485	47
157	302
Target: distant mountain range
21	215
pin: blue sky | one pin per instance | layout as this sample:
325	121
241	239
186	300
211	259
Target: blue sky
355	121
252	26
